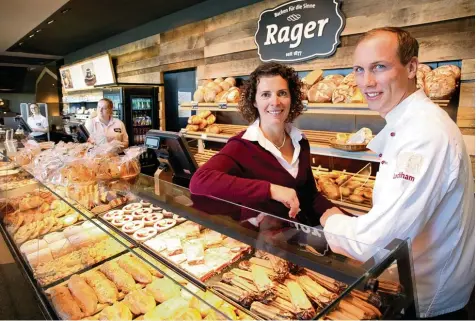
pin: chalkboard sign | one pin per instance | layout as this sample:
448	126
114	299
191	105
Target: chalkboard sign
300	30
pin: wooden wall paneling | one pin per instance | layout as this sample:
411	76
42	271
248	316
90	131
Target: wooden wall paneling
465	115
182	44
188	30
230	47
148	78
138	75
466	96
139	55
135	46
236	31
467	69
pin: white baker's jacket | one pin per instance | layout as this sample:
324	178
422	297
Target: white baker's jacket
102	133
424	191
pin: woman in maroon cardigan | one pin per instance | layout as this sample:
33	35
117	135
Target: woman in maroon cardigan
267	167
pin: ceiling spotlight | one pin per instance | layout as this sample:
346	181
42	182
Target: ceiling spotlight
38	30
20	43
65	10
31	36
50	22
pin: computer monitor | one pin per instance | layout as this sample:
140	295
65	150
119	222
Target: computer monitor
78	131
173	147
15	122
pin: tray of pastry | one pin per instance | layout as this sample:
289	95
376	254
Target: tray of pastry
198	251
35	214
345	187
273	288
127	288
141	221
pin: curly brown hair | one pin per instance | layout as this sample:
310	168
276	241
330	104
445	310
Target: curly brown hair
248	96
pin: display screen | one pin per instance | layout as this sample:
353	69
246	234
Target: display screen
152	142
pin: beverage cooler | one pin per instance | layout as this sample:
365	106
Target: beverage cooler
137	106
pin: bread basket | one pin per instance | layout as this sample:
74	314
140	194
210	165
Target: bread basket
348	147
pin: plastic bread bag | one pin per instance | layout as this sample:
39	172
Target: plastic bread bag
26	155
129	165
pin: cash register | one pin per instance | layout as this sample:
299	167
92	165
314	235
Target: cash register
172	153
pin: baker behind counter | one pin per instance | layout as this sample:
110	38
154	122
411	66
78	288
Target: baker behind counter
104	128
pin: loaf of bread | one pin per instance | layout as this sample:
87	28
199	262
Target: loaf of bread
204	113
349	80
321	92
214	86
192	128
214	129
210	94
204	82
194	120
347	94
199	95
221	97
424	68
233	95
449	70
64	303
336	79
420	77
83	294
312	77
211	119
439	86
30	203
225	85
218	80
231	81
329	188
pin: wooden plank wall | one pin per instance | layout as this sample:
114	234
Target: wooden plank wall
224	45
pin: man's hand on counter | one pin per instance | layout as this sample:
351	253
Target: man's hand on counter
328	213
287	196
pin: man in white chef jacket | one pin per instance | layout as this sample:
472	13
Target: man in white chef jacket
424	189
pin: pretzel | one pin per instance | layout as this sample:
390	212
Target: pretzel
111	215
165	224
139	213
133	226
144	234
150	219
179	219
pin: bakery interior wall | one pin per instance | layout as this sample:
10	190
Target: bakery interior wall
223	45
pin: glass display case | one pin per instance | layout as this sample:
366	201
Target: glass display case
163	253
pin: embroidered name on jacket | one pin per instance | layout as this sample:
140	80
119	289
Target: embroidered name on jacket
404	176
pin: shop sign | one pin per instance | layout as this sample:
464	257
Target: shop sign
300	30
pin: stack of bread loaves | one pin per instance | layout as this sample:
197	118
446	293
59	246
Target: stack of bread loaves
217	91
439	83
204	120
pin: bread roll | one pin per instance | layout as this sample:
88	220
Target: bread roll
214	86
439	86
231	81
233	95
210	95
199	95
136	268
202	125
214	129
448	70
41	256
194	120
64	303
104	288
139	302
204	113
225	85
211	119
221	97
83	294
117	311
304	89
32	246
347	94
60	248
336	79
204	82
192	128
321	92
356	198
30	203
218	80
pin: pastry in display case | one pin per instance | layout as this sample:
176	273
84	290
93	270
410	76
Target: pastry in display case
169	255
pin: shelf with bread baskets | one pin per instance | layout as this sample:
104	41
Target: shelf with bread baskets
242	273
319	141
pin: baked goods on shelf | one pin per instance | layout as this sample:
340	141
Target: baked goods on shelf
217	91
201	121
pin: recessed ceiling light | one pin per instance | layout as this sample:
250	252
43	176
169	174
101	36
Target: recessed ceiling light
39	30
50	22
31	36
20	43
65	10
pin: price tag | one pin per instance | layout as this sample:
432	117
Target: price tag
222	105
204	136
305	104
194	105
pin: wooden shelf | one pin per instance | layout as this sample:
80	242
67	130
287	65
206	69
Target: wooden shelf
310	108
317	139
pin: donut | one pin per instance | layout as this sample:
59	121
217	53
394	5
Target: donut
179	219
144	234
167	214
109	216
122	220
156	208
164	224
139	213
131	207
131	227
150	219
144	203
